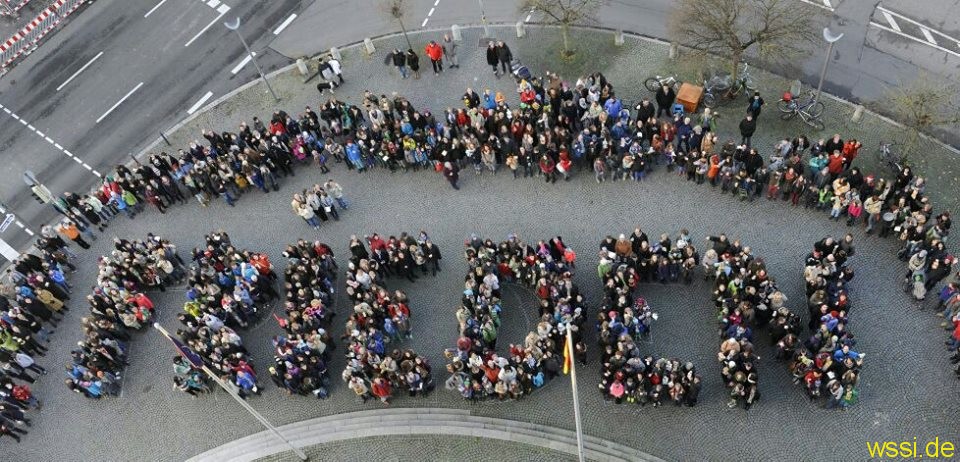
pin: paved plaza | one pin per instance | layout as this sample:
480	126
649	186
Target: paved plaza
907	386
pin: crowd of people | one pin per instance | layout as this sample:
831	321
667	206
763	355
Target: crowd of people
380	318
319	204
33	301
626	374
478	371
827	362
745	296
228	289
119	304
302	352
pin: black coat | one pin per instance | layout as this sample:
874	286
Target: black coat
492	58
666	98
399	59
504	54
748	127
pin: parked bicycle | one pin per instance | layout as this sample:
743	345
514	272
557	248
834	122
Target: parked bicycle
654	83
810	110
893	160
744	83
714	90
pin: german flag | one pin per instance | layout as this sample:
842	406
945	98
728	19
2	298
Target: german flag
567	353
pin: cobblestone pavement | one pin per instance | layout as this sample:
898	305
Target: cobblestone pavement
906	371
423	448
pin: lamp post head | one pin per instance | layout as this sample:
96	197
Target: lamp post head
828	35
235	24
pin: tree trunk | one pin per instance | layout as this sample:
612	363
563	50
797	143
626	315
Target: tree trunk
736	58
404	30
564	29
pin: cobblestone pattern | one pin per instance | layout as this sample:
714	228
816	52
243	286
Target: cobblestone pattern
900	395
423	448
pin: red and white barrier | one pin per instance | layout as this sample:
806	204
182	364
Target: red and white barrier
13	7
27	39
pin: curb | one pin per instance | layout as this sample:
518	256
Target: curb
417	421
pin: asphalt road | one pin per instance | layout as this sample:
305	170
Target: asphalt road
135	49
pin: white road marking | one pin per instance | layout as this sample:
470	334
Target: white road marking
825	4
216	20
75	74
49	140
891	21
828	4
87	166
28	231
155	8
424	22
118	103
529	15
223	9
436	3
213	3
927	35
431	12
284	24
243	62
198	104
915	39
78	160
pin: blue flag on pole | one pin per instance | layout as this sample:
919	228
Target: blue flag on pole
186	352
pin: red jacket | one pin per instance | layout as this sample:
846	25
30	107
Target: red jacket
434	51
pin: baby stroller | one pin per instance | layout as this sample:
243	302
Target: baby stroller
519	71
916	286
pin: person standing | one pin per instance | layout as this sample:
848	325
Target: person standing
665	97
413	61
450	51
747	128
452	174
492	59
70	230
336	191
435	52
755	105
335	68
504	56
400	61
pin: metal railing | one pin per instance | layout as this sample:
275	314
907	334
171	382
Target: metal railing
28	39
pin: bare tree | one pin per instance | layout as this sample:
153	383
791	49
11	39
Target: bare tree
398	10
923	105
564	13
775	29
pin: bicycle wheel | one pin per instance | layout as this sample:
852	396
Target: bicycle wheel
785	106
815	110
652	84
814	122
709	100
751	86
788	115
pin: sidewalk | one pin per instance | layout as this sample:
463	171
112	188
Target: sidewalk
626	66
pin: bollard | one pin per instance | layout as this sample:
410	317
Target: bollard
674	50
457	35
520	31
618	37
857	114
368	46
302	66
335	52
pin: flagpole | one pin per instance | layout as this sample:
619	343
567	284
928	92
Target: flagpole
576	398
266	423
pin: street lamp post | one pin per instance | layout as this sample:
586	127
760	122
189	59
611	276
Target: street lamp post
483	20
235	26
831	39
